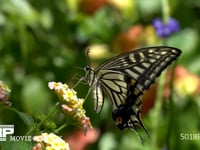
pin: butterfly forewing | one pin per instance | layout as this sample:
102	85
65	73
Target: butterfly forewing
124	78
113	84
145	63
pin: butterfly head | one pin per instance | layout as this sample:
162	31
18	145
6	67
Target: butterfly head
90	74
87	68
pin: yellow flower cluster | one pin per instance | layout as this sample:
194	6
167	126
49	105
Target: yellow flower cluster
4	87
4	93
50	142
71	104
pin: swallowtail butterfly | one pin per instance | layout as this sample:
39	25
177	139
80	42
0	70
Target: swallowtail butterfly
124	78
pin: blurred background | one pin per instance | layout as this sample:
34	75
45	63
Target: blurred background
42	41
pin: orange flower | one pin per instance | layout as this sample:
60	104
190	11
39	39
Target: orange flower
185	82
83	141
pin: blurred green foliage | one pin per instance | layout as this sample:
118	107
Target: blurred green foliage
42	41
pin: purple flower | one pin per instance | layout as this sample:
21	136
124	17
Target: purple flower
164	30
174	25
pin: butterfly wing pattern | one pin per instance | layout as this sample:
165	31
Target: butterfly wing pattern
124	78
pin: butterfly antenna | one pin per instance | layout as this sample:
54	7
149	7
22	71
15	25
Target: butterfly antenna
88	58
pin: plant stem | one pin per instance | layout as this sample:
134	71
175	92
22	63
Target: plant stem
171	108
157	112
53	110
165	10
61	127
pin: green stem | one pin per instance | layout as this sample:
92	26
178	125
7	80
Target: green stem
61	127
171	109
157	112
47	116
165	10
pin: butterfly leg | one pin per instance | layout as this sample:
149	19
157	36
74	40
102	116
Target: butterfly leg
81	79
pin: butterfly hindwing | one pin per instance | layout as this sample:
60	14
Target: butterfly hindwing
128	114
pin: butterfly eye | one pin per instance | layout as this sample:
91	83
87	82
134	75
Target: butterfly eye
87	68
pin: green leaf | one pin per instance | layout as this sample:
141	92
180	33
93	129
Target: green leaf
27	119
107	142
15	145
35	96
